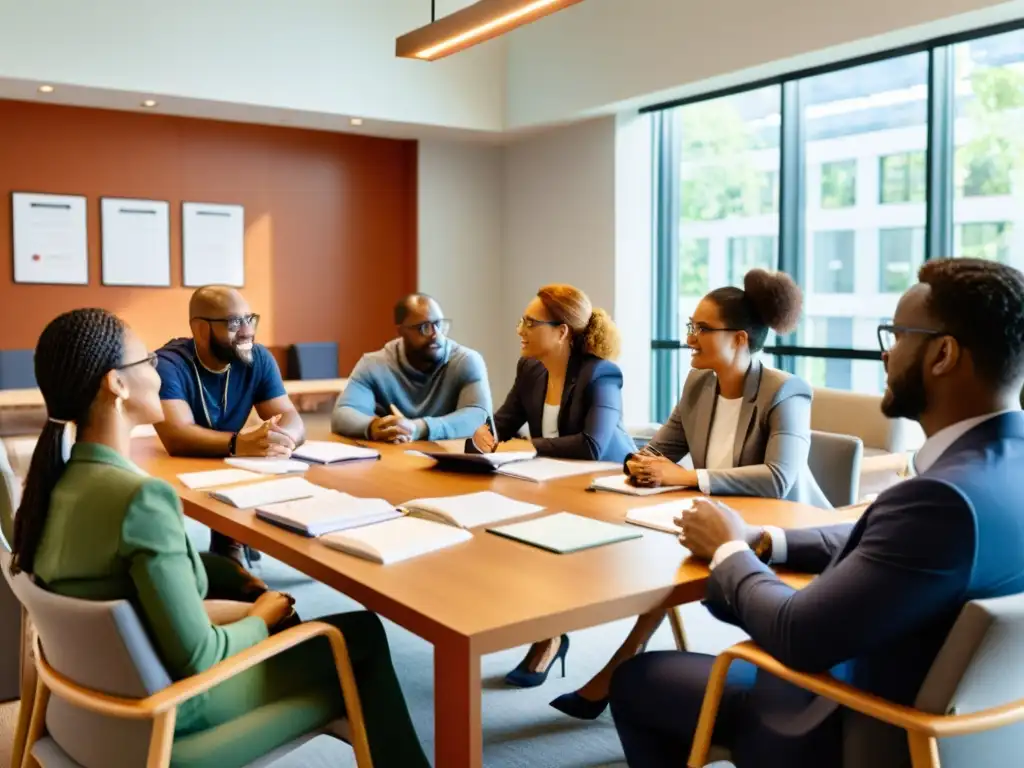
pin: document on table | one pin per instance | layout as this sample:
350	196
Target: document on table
268	465
215	477
621	484
660	517
396	540
471	509
564	532
267	492
540	470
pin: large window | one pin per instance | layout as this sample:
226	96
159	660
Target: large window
848	178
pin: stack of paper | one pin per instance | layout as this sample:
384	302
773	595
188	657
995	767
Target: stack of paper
396	540
660	517
270	492
326	452
564	532
621	484
268	465
471	509
542	469
327	512
215	477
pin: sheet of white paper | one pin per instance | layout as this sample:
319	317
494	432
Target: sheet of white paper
213	244
50	239
215	477
327	452
268	466
542	469
136	242
660	517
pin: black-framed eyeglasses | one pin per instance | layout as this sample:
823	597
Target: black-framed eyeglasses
888	335
697	329
151	358
234	322
532	322
439	327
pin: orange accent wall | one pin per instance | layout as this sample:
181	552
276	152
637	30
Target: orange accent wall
330	219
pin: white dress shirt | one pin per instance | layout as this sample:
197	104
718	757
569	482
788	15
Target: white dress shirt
721	440
549	421
930	452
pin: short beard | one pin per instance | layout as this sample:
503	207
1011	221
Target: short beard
229	353
906	397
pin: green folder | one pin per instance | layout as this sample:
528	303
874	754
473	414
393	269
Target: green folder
564	532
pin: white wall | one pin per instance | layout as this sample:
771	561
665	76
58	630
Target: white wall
460	242
600	53
335	57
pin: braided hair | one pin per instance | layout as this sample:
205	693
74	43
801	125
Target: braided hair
74	353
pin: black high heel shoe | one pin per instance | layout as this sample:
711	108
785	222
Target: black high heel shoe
574	705
522	677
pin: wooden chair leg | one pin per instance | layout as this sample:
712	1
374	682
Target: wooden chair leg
350	693
37	724
28	689
924	750
709	712
675	618
161	740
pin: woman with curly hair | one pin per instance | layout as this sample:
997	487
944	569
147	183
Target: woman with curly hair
569	392
746	427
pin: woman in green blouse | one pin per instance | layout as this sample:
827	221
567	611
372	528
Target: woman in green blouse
99	528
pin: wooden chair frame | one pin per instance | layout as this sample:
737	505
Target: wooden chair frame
923	729
161	707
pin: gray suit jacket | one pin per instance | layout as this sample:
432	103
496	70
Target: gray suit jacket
773	436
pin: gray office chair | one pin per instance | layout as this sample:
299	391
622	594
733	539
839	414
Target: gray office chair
17	369
969	712
834	462
10	608
90	651
313	360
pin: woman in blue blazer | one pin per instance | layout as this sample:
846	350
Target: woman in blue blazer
569	392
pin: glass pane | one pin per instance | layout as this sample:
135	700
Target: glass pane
866	139
989	160
729	193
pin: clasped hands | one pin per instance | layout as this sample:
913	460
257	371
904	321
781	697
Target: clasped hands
649	471
710	524
265	439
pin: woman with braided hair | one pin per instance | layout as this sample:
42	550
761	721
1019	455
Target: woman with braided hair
98	528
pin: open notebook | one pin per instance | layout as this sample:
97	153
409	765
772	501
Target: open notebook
328	452
540	470
660	517
396	540
327	512
565	532
471	509
477	462
269	492
621	484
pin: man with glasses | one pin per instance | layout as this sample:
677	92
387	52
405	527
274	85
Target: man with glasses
210	384
420	386
888	588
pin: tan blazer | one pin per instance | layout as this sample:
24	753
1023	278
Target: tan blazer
773	435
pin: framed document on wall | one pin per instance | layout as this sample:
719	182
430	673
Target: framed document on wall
51	244
213	244
136	238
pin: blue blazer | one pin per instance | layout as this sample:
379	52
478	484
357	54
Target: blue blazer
890	587
590	419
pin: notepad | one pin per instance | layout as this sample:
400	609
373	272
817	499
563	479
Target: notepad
477	462
471	509
397	540
327	452
215	477
660	517
269	492
564	532
267	465
621	484
327	512
540	470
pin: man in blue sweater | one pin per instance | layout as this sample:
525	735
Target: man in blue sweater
420	386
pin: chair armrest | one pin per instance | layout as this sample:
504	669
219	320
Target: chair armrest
182	690
908	718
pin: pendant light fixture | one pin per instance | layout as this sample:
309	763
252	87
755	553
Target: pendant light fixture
473	24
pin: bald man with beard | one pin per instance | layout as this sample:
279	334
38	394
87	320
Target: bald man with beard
211	382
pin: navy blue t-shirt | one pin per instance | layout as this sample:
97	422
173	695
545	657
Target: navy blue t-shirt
247	385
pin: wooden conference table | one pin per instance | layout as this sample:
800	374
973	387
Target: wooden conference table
488	594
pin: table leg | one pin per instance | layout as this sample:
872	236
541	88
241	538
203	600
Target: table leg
458	735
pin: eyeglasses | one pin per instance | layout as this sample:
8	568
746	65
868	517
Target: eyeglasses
234	322
439	327
888	335
151	358
698	329
532	322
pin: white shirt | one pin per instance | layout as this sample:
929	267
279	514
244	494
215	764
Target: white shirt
549	421
721	440
930	452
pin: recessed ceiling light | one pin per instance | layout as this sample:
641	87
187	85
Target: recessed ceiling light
356	121
46	89
149	103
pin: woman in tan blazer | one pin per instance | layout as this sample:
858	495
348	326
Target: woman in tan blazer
746	427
